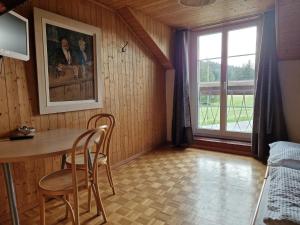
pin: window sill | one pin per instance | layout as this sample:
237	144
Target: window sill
223	145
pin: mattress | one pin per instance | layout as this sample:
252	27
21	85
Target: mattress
283	197
262	208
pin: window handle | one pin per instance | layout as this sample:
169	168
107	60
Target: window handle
225	85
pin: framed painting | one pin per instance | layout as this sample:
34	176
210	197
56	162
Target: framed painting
68	63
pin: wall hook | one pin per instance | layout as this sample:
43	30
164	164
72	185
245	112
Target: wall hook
124	47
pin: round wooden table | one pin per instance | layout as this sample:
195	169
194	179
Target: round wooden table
44	144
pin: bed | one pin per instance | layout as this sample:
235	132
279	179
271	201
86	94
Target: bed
279	200
262	202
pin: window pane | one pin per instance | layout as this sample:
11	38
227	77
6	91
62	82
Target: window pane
241	68
240	113
209	83
242	41
210	46
209	112
240	93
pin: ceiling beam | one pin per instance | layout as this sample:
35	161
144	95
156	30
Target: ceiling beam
101	5
132	21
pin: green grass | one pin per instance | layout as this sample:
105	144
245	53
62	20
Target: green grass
235	101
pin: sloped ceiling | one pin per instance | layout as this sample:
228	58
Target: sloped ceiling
174	14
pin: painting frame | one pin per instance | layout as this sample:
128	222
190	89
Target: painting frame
42	19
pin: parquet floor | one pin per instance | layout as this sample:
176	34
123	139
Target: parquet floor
173	187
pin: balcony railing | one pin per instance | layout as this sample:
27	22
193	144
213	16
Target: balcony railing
240	103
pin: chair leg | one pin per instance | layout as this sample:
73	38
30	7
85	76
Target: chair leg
42	210
99	201
69	207
110	179
96	199
89	198
76	207
66	198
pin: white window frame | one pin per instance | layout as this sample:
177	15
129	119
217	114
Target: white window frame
222	133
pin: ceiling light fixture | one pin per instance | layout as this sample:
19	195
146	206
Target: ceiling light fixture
196	3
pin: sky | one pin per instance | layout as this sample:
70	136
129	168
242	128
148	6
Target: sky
240	42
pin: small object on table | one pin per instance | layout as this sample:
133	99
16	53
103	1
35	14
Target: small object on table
22	133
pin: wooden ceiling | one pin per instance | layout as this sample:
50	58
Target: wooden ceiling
174	14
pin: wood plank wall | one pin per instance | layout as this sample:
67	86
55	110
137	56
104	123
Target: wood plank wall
288	29
134	92
164	39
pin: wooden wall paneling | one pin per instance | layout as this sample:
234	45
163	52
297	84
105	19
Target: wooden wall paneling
12	93
161	38
23	98
133	86
288	30
125	92
4	116
141	101
135	109
145	100
153	132
120	59
132	67
117	133
105	56
145	96
131	19
136	96
115	50
112	70
150	93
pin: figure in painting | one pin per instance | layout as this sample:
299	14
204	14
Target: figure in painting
63	54
70	64
65	57
82	56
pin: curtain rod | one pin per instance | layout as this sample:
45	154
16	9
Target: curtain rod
231	21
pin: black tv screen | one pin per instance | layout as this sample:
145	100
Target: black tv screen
14	36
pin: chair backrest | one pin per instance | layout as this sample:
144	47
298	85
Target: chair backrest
103	119
92	138
82	144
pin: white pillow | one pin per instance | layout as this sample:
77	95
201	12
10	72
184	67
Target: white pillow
286	154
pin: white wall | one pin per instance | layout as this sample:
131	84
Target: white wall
289	72
170	75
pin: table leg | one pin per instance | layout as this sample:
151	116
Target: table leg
11	193
63	161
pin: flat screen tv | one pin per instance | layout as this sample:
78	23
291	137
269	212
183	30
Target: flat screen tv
14	38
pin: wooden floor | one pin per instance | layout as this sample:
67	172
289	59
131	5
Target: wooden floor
174	187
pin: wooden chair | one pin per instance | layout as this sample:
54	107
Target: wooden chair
63	183
103	157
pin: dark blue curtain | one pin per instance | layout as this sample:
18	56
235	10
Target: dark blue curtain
268	122
181	123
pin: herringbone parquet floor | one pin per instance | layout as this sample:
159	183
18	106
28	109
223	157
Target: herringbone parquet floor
173	187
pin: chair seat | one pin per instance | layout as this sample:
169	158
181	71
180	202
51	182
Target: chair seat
79	160
61	181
